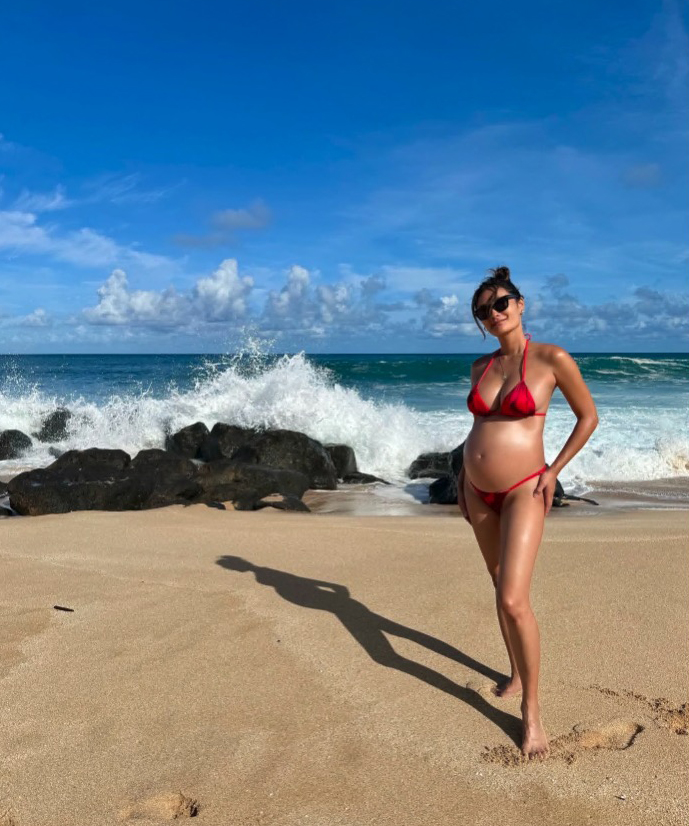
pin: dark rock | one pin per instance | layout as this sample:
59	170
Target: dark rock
362	479
96	479
245	455
429	465
280	449
158	461
188	441
443	491
439	466
171	479
55	452
248	503
289	450
223	441
225	480
13	443
343	458
54	427
559	495
91	463
43	491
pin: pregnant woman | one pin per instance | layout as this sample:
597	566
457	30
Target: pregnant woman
505	487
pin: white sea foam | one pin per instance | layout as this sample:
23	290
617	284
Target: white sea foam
630	443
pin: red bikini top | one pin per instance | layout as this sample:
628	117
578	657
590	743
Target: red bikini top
518	403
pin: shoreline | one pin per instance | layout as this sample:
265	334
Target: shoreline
671	494
411	500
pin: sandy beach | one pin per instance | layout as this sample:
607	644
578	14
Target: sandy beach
273	668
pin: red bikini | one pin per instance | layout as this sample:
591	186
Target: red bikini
517	404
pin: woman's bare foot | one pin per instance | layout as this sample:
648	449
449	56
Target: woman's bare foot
535	743
508	687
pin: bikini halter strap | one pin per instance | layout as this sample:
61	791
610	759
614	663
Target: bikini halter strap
526	350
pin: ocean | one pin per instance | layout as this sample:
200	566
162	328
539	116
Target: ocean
389	408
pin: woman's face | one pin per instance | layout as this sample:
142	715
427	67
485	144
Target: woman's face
500	322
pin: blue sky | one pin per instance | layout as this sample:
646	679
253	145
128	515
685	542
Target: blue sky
337	177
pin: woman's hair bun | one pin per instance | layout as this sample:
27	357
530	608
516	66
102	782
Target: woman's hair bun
501	273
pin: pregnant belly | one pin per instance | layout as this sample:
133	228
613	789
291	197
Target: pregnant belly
498	453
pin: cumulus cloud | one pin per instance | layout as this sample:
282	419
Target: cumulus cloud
644	314
226	223
305	308
118	305
219	297
327	310
223	296
38	318
444	316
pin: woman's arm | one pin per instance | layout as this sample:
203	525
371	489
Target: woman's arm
574	389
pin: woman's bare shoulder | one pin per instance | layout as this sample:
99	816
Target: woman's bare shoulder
553	354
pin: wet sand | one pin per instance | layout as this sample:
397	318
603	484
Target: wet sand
277	668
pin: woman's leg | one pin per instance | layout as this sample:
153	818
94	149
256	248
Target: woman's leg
486	525
521	527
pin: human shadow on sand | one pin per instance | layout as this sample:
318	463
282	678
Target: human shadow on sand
369	630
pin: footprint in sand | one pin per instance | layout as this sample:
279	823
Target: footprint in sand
488	689
667	715
169	806
614	736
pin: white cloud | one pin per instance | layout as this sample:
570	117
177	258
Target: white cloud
36	202
292	302
21	232
644	314
124	189
38	318
335	310
222	297
118	305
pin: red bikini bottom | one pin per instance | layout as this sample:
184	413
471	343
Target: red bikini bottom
494	499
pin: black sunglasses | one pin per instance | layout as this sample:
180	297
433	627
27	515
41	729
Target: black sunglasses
500	304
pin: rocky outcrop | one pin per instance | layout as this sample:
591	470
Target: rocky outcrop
224	440
226	480
110	480
13	443
343	458
54	427
188	441
429	466
279	449
79	480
